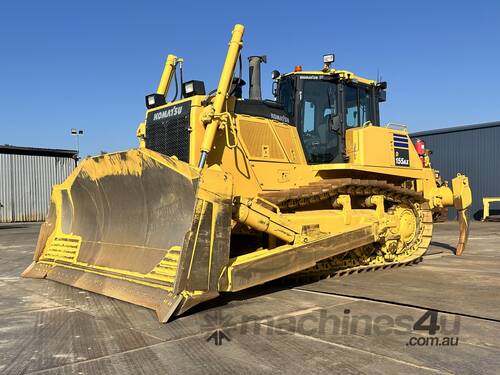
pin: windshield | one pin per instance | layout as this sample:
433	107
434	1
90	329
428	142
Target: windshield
319	109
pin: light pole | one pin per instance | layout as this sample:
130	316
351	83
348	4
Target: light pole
77	133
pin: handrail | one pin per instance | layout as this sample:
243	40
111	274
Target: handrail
396	126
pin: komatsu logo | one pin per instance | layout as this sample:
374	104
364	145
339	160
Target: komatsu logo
281	118
168	112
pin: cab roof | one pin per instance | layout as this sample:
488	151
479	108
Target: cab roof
333	72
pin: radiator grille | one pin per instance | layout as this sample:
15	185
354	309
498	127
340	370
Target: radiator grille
167	130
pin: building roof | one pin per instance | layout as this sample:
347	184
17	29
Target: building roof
35	151
456	129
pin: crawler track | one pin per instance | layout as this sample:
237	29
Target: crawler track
368	258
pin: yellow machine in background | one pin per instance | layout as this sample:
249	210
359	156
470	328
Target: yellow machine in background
486	208
225	193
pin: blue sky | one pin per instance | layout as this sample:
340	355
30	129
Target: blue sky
89	64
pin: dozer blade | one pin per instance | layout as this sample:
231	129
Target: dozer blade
136	226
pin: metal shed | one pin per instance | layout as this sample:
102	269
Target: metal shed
473	150
26	178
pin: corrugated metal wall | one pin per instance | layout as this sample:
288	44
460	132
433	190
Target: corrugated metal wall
474	152
26	182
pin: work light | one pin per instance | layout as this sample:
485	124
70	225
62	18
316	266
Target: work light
154	100
328	59
191	88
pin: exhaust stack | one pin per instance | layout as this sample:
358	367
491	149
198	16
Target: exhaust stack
254	76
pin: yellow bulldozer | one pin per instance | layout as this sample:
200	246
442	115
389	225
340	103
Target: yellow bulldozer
225	193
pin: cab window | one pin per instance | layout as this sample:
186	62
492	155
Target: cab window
358	105
286	95
351	106
309	116
365	105
318	110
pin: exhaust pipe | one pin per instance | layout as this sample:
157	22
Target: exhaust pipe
254	76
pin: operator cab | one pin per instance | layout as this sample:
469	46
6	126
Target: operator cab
323	105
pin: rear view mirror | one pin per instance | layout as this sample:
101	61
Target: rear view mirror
381	96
